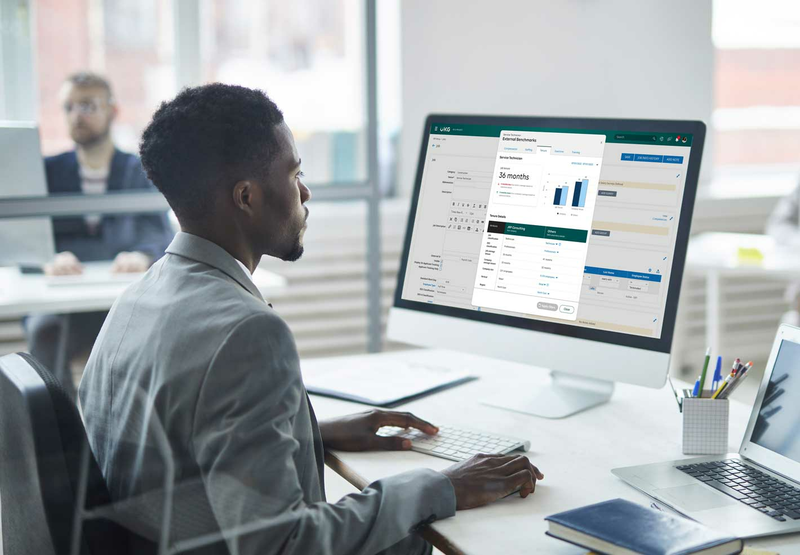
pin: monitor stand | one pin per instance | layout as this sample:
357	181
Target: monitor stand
566	395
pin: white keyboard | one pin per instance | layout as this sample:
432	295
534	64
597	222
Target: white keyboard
456	444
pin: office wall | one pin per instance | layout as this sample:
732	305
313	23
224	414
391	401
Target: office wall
602	58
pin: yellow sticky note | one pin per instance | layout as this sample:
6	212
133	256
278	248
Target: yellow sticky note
749	255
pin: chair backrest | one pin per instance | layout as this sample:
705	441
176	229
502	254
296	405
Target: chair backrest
41	442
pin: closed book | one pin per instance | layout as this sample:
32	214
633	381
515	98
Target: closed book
619	527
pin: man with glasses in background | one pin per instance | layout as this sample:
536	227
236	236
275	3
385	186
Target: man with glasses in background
132	242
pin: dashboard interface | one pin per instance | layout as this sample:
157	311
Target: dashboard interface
571	226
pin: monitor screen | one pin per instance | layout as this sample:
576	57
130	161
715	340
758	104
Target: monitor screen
552	228
777	427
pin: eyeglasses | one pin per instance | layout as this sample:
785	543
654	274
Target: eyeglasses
84	107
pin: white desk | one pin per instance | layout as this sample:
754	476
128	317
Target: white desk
22	294
575	454
715	256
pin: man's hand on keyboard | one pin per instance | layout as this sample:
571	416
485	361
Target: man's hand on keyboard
63	264
486	478
356	432
130	262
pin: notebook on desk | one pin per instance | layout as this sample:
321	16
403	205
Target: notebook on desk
379	381
619	527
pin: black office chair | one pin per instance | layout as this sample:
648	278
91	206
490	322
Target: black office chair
42	440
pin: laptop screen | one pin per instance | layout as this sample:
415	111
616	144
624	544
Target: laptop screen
777	427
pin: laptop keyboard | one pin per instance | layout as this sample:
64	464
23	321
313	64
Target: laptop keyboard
750	486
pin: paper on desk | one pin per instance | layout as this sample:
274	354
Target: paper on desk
377	381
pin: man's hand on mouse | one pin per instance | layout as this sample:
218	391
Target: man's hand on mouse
486	478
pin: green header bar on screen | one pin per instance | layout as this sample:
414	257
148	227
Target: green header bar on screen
674	139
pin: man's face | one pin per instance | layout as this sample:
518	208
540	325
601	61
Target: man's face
88	113
283	220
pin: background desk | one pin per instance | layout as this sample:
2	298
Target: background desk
714	256
575	454
22	294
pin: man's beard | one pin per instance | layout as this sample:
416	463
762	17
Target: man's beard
95	139
295	253
297	248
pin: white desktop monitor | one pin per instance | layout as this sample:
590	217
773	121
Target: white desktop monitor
555	242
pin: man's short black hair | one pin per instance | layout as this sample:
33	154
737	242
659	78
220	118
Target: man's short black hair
207	138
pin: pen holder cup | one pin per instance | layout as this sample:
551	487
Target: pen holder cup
705	426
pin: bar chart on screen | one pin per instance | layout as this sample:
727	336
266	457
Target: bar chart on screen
566	191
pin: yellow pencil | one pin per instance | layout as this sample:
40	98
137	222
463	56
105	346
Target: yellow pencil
724	384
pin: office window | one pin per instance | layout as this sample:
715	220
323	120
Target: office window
756	118
308	55
129	41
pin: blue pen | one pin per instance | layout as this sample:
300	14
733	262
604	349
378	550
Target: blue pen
717	375
696	390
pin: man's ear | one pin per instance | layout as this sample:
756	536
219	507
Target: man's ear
113	111
244	195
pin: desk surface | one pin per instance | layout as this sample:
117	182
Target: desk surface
719	252
575	454
22	294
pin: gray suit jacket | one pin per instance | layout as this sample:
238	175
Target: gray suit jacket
192	347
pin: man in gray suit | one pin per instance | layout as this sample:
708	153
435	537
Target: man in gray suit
193	348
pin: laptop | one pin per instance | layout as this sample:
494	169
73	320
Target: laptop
26	241
755	492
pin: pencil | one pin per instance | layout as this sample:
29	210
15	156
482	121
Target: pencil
705	369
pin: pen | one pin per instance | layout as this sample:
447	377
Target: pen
705	369
732	387
740	375
721	388
745	369
717	375
696	390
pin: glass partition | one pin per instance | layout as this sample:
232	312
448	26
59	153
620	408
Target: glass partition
308	56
